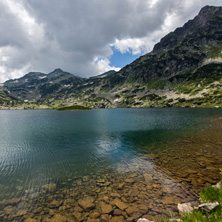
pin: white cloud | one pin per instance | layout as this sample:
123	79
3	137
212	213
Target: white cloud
144	45
103	65
134	45
30	26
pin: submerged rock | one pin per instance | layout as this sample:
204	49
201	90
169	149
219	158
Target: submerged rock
117	212
87	203
131	210
60	218
119	204
77	215
21	213
104	218
51	187
9	210
120	186
143	208
105	208
55	204
117	219
130	180
30	220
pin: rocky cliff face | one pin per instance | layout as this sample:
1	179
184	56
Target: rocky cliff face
200	30
184	69
181	50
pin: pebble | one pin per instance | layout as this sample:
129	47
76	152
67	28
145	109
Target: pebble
123	197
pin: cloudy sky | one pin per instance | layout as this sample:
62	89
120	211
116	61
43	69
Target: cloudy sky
84	37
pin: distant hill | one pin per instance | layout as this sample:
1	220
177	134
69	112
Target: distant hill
183	69
36	86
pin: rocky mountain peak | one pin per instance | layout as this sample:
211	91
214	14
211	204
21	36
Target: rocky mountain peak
58	70
208	17
206	14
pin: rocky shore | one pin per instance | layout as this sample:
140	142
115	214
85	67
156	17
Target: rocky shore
125	197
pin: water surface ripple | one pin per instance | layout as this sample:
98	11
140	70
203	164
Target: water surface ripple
89	153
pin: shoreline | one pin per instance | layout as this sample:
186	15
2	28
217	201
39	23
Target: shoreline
51	108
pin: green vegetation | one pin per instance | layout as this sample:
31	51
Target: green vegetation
74	107
152	97
215	51
208	194
192	82
4	97
198	216
211	194
156	84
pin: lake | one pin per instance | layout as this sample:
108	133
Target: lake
115	163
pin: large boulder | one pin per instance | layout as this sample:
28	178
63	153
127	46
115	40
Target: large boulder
87	203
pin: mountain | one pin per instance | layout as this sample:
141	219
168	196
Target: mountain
183	69
36	86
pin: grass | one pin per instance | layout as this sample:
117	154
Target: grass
73	108
215	51
156	84
198	216
208	194
211	194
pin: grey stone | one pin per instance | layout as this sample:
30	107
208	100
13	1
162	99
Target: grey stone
218	185
144	220
185	208
208	206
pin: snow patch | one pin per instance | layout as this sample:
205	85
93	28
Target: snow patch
212	60
42	77
103	76
67	85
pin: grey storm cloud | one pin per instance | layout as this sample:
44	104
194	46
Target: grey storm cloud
76	35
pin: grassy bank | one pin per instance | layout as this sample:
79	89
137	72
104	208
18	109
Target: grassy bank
210	194
73	108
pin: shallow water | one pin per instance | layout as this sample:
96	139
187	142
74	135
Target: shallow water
105	153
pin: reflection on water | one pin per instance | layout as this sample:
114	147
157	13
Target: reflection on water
100	164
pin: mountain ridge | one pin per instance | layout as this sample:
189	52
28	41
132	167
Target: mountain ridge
183	69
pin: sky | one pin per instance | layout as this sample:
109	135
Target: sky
85	37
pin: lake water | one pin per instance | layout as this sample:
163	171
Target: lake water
133	157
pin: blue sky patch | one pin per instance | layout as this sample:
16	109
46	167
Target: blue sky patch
120	60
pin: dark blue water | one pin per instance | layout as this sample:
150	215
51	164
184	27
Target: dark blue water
43	146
